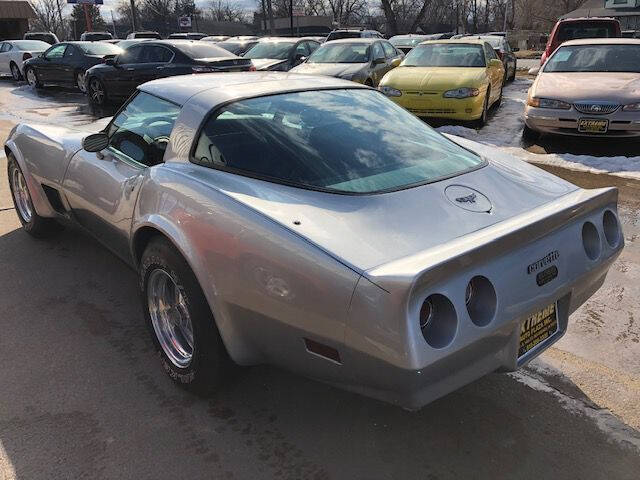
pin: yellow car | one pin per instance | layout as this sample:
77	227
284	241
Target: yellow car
456	79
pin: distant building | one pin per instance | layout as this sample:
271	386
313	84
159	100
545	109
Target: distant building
14	18
626	11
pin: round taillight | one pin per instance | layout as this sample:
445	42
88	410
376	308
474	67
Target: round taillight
481	300
611	228
26	56
591	240
438	320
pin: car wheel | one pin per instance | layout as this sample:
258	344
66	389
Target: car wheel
80	82
513	76
97	92
15	72
485	111
180	320
32	223
498	101
529	134
32	78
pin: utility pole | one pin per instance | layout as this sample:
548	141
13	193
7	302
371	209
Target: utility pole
291	16
113	24
264	15
271	24
133	16
506	10
87	17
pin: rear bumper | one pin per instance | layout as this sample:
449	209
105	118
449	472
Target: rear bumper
565	122
392	360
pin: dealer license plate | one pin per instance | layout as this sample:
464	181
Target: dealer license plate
590	125
537	328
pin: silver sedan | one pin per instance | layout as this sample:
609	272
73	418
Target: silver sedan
311	223
587	87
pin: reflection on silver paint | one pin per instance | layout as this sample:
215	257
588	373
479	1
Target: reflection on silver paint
278	264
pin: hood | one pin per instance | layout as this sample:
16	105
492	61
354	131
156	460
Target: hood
330	69
436	79
365	231
266	63
574	87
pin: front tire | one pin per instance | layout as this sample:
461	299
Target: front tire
33	224
479	123
529	134
32	78
15	72
180	320
97	92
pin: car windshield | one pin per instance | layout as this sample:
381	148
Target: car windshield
346	140
445	55
235	47
595	58
202	50
402	41
492	40
339	35
341	53
146	35
99	48
127	43
33	45
45	37
587	29
276	50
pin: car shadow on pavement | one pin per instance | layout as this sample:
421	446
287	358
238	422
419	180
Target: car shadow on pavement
83	396
598	147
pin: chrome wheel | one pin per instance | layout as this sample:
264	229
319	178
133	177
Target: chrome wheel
96	91
31	77
80	82
21	195
170	318
15	72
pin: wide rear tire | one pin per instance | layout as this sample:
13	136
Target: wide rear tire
182	326
96	91
32	77
33	224
15	72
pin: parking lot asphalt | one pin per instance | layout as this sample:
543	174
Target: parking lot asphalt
83	396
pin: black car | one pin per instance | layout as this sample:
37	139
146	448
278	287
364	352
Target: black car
280	53
66	63
118	78
237	47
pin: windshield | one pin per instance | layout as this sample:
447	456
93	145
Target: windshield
45	37
99	48
595	58
202	50
276	50
339	35
445	55
587	29
341	53
347	140
401	40
147	35
33	45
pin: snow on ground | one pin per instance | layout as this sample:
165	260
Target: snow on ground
504	130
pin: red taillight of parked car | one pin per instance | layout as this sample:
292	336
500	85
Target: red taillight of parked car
26	56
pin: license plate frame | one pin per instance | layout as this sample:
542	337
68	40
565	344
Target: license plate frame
538	329
593	125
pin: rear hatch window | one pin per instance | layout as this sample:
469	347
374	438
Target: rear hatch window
587	29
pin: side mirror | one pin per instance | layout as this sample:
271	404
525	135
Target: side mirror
378	61
534	71
95	142
299	58
396	61
495	62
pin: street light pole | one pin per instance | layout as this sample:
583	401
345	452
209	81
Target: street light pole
291	15
133	16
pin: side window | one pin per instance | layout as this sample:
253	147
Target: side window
130	55
312	46
156	54
377	50
70	51
56	52
491	54
141	131
3	47
389	51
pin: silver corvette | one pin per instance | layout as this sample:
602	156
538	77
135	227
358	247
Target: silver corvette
311	223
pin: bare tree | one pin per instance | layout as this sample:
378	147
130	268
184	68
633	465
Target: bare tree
226	11
405	15
49	16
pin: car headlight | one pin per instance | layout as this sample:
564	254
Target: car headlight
548	103
390	91
461	93
632	107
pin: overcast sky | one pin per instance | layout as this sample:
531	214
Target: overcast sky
105	9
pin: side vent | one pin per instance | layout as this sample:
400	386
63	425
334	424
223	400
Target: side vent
54	199
322	350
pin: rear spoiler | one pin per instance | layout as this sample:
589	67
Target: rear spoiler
489	242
